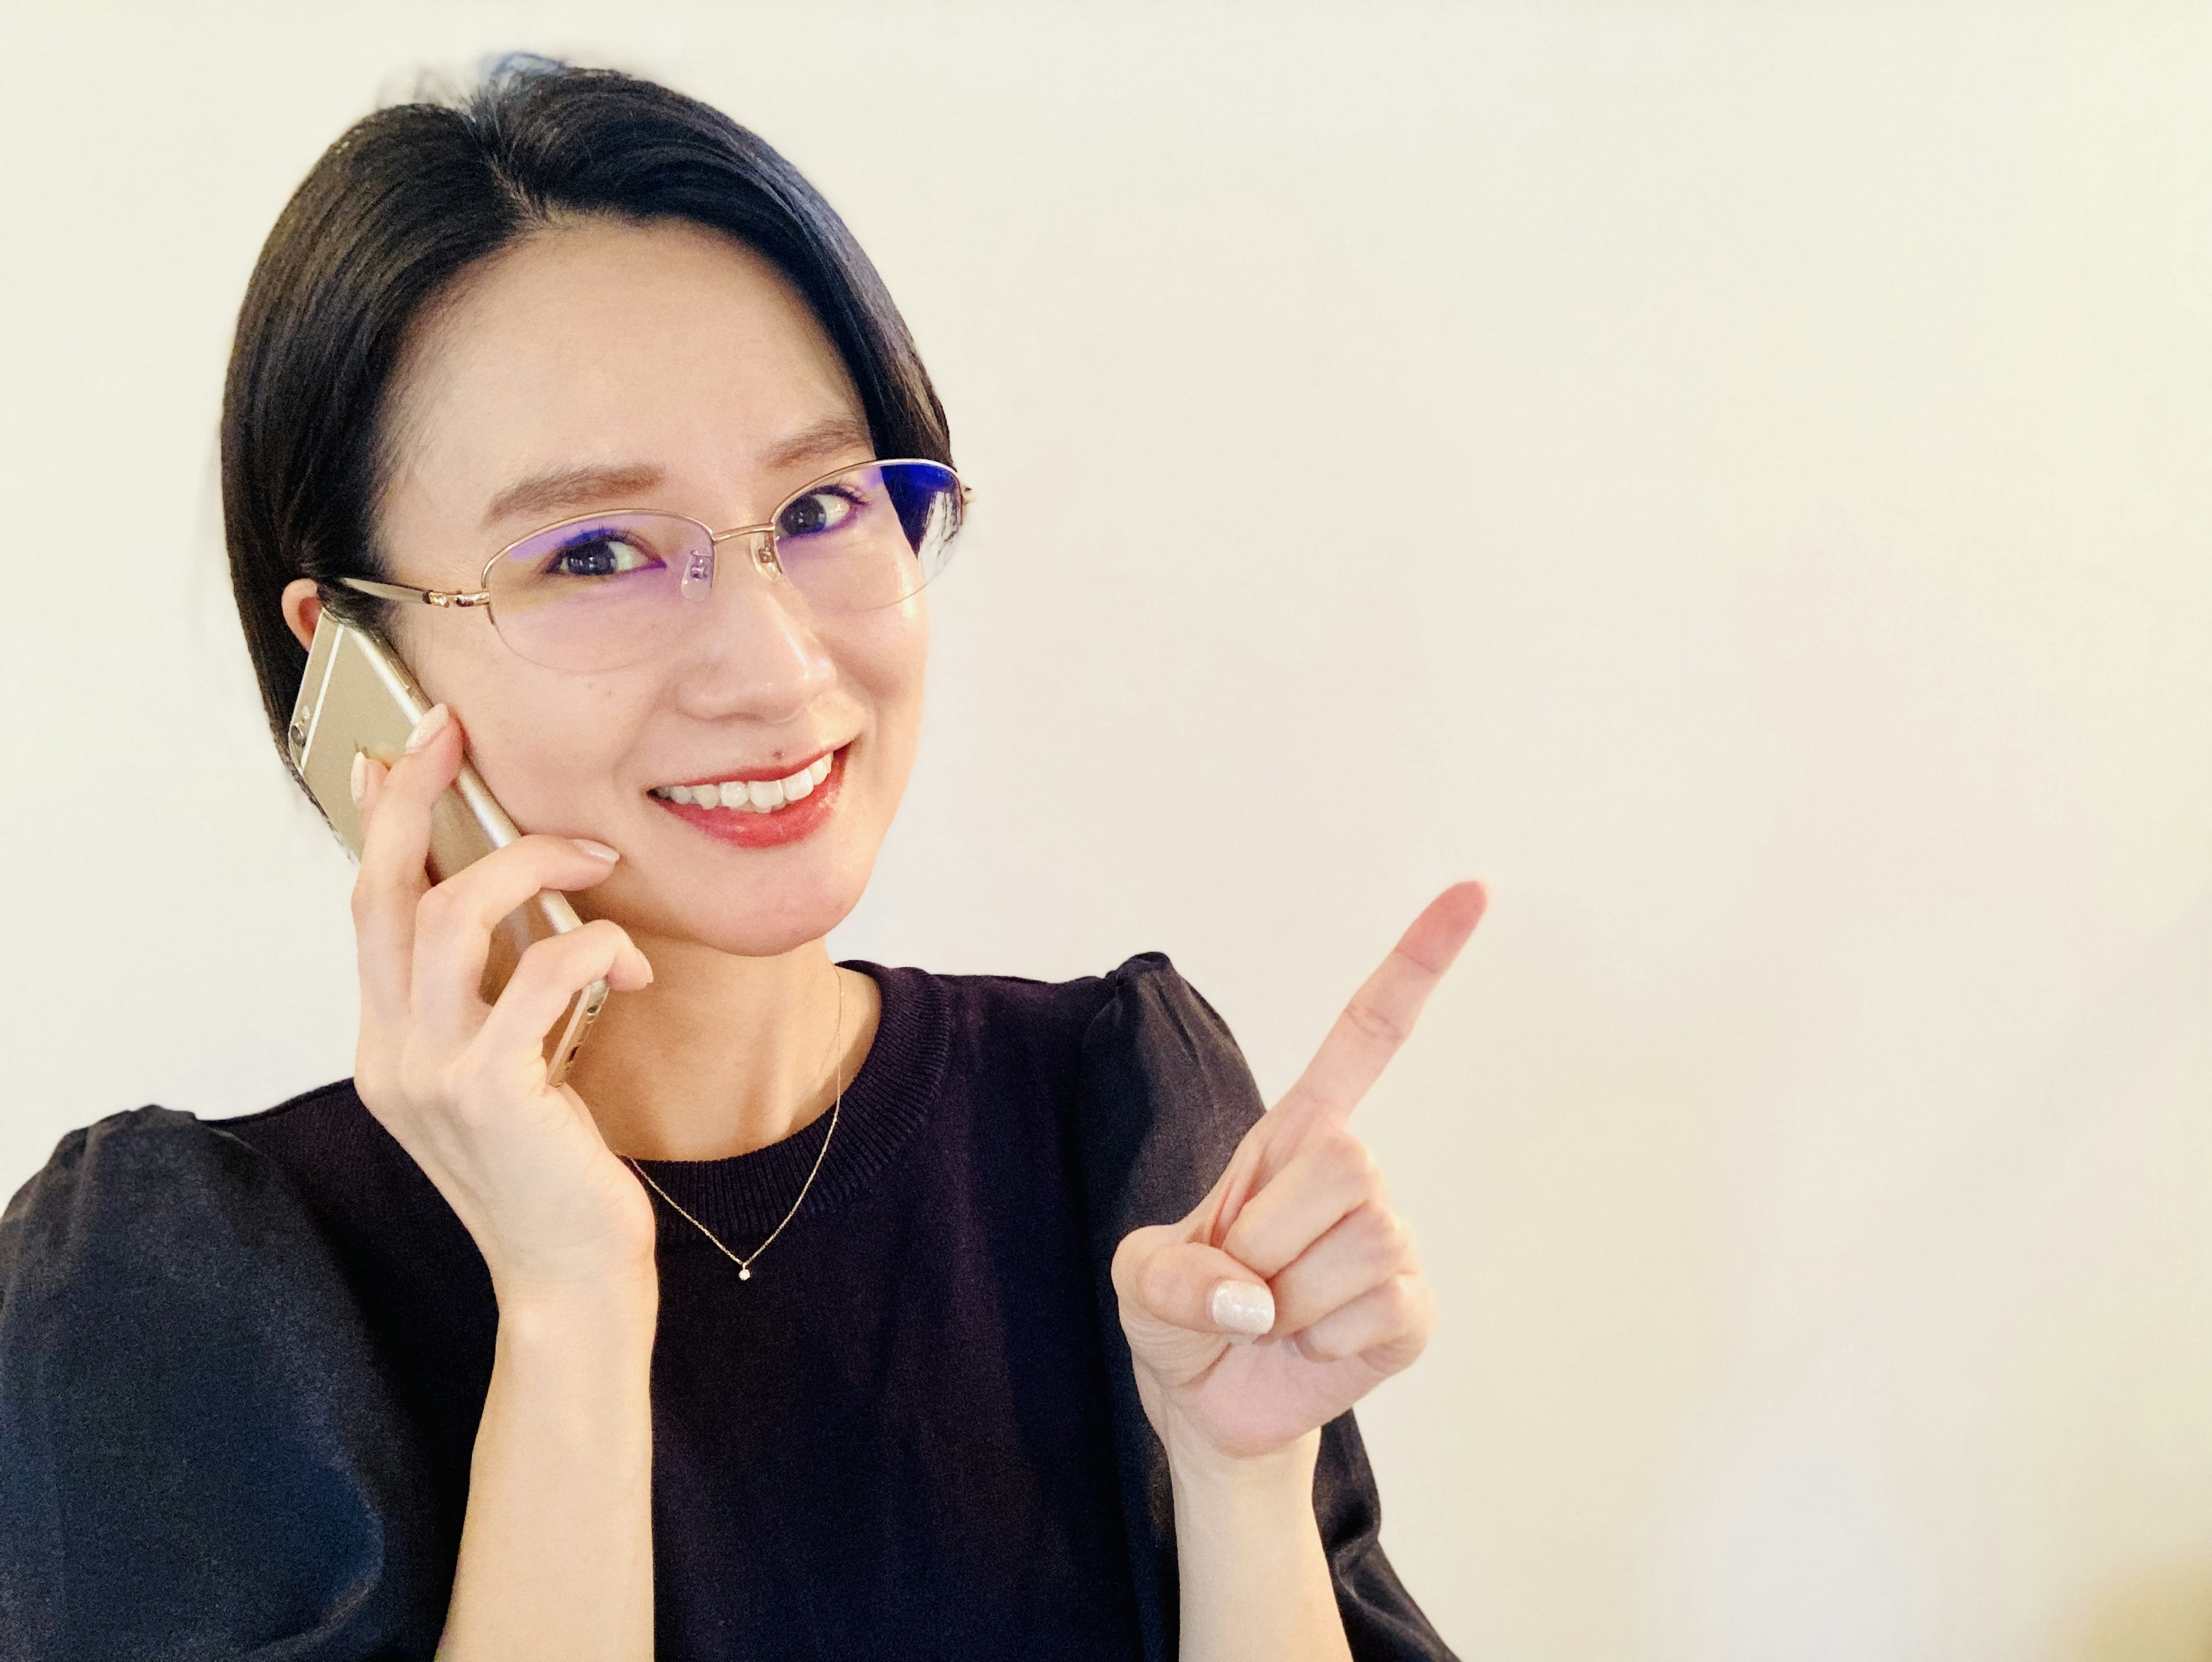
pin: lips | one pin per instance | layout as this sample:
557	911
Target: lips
749	796
759	813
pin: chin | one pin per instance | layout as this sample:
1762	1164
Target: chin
781	905
768	932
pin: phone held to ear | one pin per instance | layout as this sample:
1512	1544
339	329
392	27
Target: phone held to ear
357	698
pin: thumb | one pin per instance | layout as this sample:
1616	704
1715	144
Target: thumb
1167	1281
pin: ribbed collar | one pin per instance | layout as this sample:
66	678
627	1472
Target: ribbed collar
743	1197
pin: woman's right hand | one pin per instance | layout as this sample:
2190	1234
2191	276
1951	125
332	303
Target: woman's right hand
462	1085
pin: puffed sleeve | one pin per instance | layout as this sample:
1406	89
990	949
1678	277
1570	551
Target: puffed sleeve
1164	1097
200	1457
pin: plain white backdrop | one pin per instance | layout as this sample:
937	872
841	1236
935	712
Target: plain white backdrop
1738	478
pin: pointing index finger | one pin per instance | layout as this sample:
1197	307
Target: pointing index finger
1382	1012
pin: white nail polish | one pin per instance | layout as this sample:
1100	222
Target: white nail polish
432	724
597	850
1242	1308
358	782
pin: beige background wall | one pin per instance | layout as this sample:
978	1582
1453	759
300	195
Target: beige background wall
1735	476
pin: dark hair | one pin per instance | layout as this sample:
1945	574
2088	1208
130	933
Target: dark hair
412	197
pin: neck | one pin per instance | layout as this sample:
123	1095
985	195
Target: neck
723	1055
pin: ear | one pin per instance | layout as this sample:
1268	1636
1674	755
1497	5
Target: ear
303	608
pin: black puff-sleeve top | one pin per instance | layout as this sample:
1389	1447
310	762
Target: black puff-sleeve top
242	1363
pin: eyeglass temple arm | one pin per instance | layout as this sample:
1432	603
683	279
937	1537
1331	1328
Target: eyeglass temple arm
427	596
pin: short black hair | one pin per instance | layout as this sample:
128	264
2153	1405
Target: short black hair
414	196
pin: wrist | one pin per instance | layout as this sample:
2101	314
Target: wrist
1254	1573
610	1306
1200	1467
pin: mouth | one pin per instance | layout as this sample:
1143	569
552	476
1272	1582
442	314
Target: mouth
759	812
751	795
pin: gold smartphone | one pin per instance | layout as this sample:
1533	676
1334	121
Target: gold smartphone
357	698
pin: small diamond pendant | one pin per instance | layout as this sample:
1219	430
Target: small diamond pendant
745	1272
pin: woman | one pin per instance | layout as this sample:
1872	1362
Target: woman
826	1309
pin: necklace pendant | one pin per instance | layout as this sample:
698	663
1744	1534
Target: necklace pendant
836	1106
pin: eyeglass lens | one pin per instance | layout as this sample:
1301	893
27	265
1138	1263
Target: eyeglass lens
609	589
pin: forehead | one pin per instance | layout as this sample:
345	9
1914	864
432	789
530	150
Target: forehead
602	341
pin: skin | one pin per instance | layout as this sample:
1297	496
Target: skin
686	363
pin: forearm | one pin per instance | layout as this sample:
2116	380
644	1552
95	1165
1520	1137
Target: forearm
556	1549
1256	1581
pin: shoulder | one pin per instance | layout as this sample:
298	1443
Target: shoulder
1143	994
1159	1090
204	1241
162	1220
131	1183
354	1178
195	1428
250	1178
1167	1094
1142	1014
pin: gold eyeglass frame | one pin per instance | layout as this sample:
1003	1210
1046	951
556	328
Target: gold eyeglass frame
764	555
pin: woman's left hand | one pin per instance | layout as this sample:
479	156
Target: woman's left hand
1291	1290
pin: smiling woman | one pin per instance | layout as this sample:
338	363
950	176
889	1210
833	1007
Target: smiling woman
1057	1348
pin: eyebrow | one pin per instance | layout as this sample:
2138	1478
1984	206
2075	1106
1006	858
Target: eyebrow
577	487
819	443
571	487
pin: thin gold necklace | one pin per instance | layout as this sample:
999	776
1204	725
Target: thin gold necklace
746	1264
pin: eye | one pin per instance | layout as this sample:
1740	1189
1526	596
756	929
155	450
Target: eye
825	508
599	553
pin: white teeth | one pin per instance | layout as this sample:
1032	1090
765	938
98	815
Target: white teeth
751	797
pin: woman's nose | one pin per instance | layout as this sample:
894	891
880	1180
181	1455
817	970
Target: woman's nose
754	652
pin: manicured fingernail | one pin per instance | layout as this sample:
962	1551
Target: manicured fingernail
432	724
1242	1308
358	783
597	850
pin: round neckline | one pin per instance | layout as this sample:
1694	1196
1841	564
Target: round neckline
740	1197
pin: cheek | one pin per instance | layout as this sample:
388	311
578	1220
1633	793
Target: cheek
545	743
886	656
